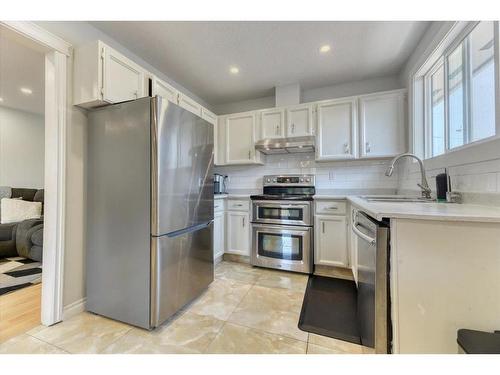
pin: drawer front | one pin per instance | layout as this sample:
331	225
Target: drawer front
331	207
238	205
218	205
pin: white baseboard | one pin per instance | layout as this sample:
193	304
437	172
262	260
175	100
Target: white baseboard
74	308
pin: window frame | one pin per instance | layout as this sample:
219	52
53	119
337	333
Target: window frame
428	132
442	60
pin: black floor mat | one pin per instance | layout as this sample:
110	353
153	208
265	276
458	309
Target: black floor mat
330	308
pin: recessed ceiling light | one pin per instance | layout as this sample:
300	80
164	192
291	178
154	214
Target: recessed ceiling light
26	91
1	100
325	48
234	70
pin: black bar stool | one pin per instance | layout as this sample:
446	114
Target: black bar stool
478	342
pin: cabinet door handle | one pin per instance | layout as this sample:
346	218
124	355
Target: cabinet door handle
277	129
103	61
323	227
249	152
293	128
346	148
333	208
243	221
367	147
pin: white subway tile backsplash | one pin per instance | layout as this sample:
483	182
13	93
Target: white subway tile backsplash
358	174
481	177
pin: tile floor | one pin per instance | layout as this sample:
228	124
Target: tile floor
245	310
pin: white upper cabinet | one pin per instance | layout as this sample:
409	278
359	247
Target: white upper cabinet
272	123
208	116
336	129
239	139
381	124
187	103
103	75
164	90
299	121
123	80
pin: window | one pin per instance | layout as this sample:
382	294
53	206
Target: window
460	92
456	97
482	62
437	110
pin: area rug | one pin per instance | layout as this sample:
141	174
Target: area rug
330	309
17	273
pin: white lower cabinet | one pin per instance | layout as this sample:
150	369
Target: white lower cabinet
219	239
238	233
331	241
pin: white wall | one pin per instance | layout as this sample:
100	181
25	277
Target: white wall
21	148
475	169
338	176
477	177
328	92
366	86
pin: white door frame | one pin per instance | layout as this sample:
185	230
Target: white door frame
57	53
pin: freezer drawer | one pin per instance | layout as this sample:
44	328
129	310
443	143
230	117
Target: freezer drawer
182	268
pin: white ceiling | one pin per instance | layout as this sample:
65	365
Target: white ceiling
21	66
198	54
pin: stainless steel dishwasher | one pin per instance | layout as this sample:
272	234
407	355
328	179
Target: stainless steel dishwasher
373	281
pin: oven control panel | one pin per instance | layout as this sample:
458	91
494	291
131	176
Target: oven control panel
289	180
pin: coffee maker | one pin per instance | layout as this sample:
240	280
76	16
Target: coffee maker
220	184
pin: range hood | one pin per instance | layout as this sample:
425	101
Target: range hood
286	145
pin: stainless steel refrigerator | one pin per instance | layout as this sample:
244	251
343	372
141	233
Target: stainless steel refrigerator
149	210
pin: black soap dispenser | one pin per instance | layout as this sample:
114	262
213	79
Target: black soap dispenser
442	186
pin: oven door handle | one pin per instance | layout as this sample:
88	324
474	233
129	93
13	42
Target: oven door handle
360	234
279	205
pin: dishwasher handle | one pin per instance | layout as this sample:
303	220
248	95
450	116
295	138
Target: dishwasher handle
365	237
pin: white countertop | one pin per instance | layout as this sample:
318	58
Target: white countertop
406	210
231	196
427	211
318	197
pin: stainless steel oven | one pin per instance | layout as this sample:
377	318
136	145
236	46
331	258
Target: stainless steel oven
282	224
287	248
282	212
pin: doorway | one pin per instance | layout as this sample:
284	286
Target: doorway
22	142
32	175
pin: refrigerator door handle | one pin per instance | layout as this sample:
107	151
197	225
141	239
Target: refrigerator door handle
190	229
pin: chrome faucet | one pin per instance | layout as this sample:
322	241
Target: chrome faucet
426	191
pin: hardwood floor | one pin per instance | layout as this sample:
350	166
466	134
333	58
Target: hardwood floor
19	311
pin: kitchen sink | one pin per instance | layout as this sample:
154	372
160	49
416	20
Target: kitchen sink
396	198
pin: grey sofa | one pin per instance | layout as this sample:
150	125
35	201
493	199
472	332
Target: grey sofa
24	238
